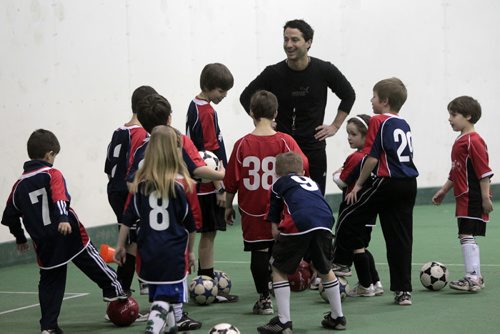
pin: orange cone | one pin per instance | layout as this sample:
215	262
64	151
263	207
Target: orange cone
107	253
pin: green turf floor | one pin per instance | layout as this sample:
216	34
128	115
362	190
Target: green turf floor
445	311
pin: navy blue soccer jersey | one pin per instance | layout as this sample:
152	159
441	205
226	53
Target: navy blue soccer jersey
41	199
389	139
162	236
124	143
298	206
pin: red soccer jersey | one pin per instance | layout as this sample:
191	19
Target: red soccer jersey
469	164
251	173
351	169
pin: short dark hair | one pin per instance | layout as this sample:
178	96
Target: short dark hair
392	89
153	110
466	106
215	76
304	27
42	142
140	93
289	162
263	104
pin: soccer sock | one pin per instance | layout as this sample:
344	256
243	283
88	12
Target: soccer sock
282	296
373	269
259	266
126	271
158	317
362	265
207	272
177	311
470	252
333	293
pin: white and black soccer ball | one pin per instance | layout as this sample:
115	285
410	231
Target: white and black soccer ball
224	328
203	290
434	275
223	281
343	288
211	160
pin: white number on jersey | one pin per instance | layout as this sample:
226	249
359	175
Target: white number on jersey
159	219
405	141
34	195
266	167
305	183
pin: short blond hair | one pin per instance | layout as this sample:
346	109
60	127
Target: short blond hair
289	162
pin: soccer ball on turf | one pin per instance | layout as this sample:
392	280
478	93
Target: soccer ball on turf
223	282
211	161
203	290
434	275
343	287
123	312
224	328
301	278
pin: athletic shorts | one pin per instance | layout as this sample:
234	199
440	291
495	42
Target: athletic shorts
212	215
474	227
170	293
257	245
289	250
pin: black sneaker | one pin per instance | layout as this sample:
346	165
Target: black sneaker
275	326
57	330
337	323
187	324
402	298
115	297
226	298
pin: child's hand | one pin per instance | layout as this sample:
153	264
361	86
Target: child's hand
221	199
120	255
438	197
275	231
22	247
229	216
192	262
352	197
487	205
64	228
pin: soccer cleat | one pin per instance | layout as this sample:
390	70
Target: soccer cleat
187	324
275	326
337	323
315	283
142	317
57	330
378	288
341	270
360	291
226	298
263	306
115	297
402	298
467	284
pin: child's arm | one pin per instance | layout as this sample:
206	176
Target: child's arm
120	250
441	193
191	256
368	167
336	178
485	195
229	214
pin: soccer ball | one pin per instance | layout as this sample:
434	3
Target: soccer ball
203	290
224	328
223	282
343	287
123	312
211	160
434	275
301	279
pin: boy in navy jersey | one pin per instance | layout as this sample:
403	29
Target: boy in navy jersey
392	194
470	179
41	200
302	222
125	140
202	127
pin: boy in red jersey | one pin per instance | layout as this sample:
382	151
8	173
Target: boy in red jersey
125	140
389	149
470	179
41	200
202	127
250	172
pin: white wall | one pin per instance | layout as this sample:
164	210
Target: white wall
71	66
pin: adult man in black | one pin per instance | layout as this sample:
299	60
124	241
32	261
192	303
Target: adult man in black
301	83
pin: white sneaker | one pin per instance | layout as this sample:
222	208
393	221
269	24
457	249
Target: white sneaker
360	291
142	317
315	283
378	288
